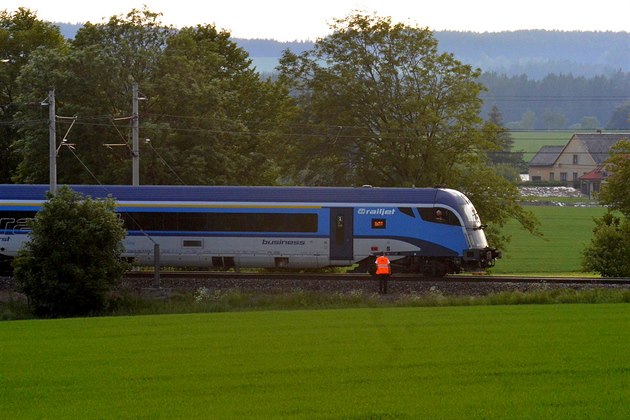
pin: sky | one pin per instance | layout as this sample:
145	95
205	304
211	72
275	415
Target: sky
286	20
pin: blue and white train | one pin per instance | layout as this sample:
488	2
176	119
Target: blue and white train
433	231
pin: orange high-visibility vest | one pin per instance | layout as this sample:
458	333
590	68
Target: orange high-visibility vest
382	265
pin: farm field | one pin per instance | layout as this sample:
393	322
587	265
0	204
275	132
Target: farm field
566	230
528	361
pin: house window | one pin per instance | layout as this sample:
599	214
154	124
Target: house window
575	159
575	176
551	176
563	176
536	179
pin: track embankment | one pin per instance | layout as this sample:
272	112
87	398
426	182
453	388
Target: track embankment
146	282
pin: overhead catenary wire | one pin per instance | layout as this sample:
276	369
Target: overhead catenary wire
164	162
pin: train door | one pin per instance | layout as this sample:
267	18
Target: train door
341	233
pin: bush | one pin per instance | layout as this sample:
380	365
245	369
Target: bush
72	258
609	251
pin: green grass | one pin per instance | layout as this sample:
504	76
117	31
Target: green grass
546	361
567	231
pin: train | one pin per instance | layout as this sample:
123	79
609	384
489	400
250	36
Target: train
430	231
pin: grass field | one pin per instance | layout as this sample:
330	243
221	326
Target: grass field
567	230
529	361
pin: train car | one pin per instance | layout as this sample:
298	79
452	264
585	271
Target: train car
434	231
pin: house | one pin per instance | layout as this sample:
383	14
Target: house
591	182
580	163
541	165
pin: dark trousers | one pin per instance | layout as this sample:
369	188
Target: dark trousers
382	283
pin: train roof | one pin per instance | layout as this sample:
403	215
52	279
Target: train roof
161	193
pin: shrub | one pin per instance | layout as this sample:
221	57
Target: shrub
72	258
609	251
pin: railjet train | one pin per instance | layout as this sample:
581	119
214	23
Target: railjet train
433	231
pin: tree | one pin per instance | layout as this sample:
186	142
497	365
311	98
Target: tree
590	123
506	160
609	251
620	119
73	256
215	118
380	105
554	120
528	120
93	79
376	91
209	117
615	193
21	33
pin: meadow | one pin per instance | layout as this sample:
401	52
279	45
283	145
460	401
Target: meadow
527	361
566	232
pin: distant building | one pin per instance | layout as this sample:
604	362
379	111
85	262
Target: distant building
580	163
541	165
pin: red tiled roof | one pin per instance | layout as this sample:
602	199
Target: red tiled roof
594	175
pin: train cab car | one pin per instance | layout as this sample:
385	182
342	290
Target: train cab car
438	233
425	230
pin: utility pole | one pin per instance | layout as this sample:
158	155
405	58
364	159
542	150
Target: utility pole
52	139
135	143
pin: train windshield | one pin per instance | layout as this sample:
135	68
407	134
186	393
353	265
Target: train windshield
475	235
471	217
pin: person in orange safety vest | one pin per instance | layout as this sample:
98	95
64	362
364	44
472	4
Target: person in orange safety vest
383	271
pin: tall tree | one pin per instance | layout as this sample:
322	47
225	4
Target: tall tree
93	81
209	117
616	191
620	119
609	250
21	33
215	118
504	143
380	92
380	105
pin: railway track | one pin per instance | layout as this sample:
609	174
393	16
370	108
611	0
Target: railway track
329	277
147	284
400	284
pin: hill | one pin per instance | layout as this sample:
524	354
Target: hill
535	53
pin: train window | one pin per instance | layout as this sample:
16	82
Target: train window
379	223
406	210
221	222
439	215
192	243
340	236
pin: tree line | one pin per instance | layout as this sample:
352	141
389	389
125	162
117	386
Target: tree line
560	101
